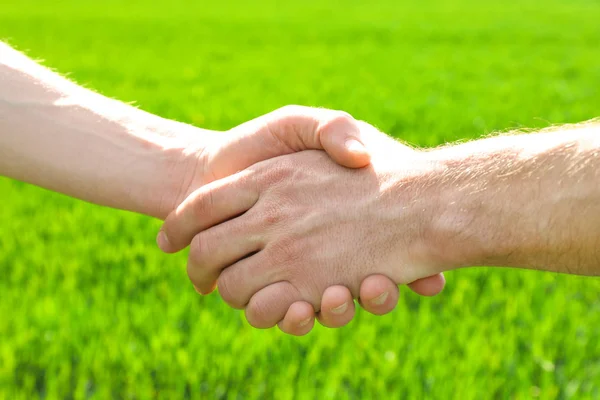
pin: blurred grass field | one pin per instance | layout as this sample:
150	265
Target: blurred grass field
89	307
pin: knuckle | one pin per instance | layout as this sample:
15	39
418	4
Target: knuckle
340	118
199	249
256	313
203	204
343	116
228	289
295	121
271	215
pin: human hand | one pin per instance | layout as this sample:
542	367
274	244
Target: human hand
289	129
270	240
214	155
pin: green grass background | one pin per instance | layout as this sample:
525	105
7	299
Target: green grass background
89	307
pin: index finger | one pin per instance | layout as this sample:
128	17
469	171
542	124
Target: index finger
208	206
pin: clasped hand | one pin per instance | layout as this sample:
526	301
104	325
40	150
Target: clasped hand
294	235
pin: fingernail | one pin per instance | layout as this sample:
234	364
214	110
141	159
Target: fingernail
163	241
354	146
379	300
197	290
305	322
340	309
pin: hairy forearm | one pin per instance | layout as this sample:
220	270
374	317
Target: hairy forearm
528	201
63	137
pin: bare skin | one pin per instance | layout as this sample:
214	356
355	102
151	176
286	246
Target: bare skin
303	227
65	138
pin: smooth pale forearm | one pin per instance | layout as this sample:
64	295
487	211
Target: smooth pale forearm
63	137
527	201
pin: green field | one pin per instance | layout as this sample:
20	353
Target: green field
90	308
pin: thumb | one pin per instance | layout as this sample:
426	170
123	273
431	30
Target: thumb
340	138
287	130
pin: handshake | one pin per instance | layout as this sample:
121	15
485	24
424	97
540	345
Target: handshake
288	232
299	212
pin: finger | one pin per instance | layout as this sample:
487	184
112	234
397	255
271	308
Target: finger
269	306
240	281
378	294
429	286
299	319
288	130
337	307
217	248
341	139
206	207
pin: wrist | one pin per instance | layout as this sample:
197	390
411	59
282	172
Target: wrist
438	224
171	165
472	223
410	202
